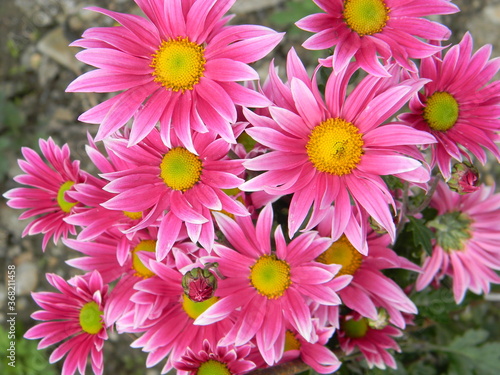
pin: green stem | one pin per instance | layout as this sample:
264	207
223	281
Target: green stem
427	199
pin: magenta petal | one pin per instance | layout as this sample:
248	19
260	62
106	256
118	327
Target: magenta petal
290	122
113	60
306	103
299	207
392	135
373	200
222	308
170	227
252	318
123	110
263	228
297	313
380	164
229	70
148	116
100	80
184	210
217	98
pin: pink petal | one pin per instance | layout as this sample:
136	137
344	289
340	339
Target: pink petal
229	70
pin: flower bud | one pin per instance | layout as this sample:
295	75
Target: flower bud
199	284
464	178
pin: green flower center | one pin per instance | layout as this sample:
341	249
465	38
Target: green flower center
366	17
452	230
178	64
213	367
355	329
90	318
335	146
180	169
270	276
195	309
441	111
342	252
63	203
140	269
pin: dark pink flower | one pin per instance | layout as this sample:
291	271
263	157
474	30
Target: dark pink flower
74	317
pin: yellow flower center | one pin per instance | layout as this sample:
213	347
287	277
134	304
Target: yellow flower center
355	329
195	309
291	342
63	203
140	269
335	146
366	17
133	215
441	111
90	318
178	64
270	276
342	252
180	169
213	367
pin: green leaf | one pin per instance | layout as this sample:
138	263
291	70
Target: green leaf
435	304
422	236
470	338
468	356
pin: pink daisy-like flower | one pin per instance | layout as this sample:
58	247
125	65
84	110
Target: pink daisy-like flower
372	29
373	342
223	360
178	67
166	315
459	107
369	288
75	317
190	186
332	150
466	244
47	197
272	288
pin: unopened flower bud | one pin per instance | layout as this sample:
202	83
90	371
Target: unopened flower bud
200	284
464	178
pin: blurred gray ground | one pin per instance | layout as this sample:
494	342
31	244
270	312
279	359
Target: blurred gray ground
36	65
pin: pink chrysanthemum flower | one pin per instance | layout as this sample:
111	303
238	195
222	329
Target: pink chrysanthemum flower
373	342
178	67
466	244
272	288
458	106
369	288
335	150
190	186
166	315
222	360
47	197
372	29
75	317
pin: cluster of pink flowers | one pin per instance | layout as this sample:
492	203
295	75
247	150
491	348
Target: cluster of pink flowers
195	155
